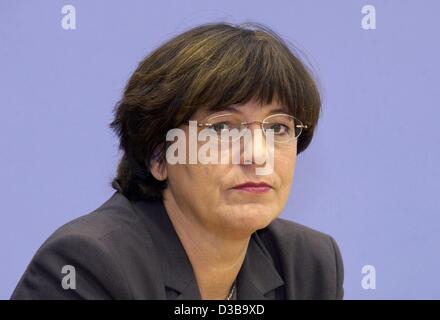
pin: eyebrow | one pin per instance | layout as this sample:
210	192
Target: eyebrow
273	111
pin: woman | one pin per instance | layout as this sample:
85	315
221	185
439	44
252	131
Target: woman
198	229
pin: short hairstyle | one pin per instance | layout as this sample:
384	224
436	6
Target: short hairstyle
208	67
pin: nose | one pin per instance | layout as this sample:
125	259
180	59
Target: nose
255	151
259	147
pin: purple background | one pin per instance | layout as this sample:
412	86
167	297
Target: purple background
370	178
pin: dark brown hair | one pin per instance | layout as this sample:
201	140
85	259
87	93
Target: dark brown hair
210	66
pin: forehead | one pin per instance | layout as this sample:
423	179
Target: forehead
250	109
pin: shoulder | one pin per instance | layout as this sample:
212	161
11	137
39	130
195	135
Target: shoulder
289	233
96	231
113	216
312	254
102	246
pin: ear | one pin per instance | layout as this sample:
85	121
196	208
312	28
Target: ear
158	171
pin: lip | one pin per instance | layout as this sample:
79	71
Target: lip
253	187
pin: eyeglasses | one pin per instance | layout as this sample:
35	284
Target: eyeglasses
285	127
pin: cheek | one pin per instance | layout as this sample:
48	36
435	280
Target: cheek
285	168
195	180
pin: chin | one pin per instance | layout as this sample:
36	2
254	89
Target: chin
248	220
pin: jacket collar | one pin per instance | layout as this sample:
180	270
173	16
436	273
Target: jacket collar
256	279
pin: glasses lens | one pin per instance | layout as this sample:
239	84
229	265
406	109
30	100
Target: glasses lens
226	126
283	126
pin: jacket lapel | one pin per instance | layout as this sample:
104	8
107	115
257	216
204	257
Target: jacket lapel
258	278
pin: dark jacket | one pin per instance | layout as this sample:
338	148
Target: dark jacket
130	250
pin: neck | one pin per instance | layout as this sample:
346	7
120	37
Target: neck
215	259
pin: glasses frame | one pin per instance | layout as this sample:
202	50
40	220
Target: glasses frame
246	125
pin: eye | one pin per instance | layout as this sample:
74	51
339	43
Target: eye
218	127
278	128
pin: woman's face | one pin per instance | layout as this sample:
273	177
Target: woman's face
205	193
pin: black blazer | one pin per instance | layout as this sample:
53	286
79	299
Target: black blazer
130	250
